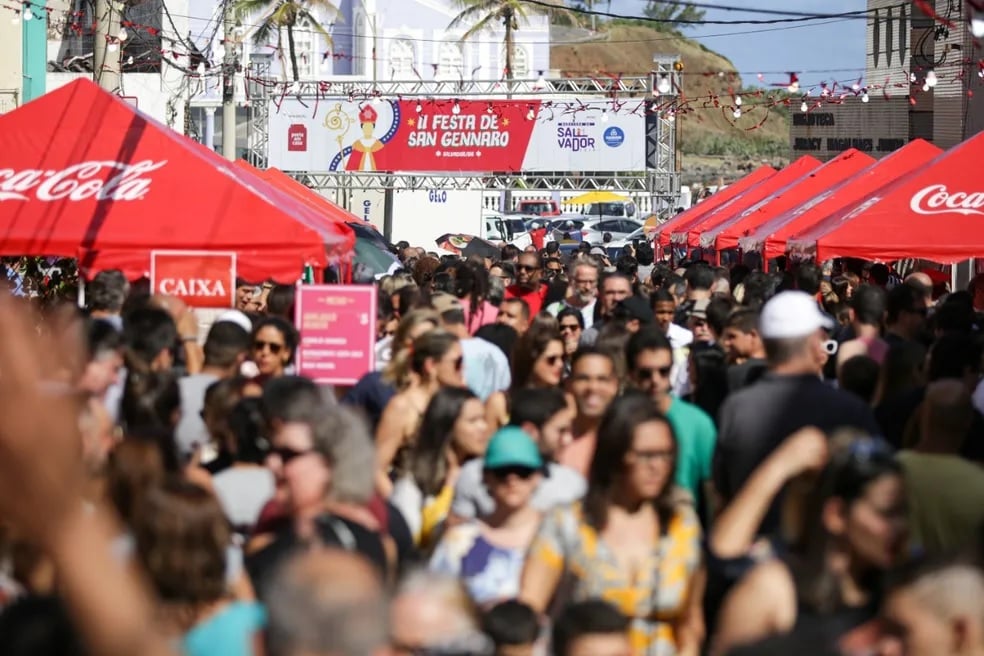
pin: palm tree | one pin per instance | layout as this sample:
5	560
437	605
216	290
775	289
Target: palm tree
286	14
486	14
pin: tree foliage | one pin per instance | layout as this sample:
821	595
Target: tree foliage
670	14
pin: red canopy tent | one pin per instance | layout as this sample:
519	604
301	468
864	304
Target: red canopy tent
726	234
935	212
796	170
330	216
770	237
83	174
699	211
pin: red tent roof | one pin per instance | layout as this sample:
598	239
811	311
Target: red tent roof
935	212
726	234
699	211
330	216
796	170
770	237
83	174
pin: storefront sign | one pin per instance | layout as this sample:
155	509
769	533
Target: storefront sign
337	324
878	127
205	279
450	136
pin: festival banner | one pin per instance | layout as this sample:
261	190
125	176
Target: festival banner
447	136
337	325
204	279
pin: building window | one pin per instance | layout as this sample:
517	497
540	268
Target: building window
360	60
520	62
889	36
401	58
306	49
450	62
876	37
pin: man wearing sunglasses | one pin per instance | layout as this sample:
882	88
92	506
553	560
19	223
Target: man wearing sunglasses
650	359
528	285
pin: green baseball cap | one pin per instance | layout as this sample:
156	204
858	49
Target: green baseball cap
511	446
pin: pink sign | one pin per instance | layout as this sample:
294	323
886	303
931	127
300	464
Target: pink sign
338	332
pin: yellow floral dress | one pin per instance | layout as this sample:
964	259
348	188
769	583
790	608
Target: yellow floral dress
569	545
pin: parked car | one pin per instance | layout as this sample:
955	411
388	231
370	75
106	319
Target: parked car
594	230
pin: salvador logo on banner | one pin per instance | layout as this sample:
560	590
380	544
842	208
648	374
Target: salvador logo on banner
454	136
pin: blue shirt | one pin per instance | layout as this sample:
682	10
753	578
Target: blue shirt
486	367
231	632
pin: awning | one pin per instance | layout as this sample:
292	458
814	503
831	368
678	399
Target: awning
703	209
726	234
83	174
770	237
691	235
935	212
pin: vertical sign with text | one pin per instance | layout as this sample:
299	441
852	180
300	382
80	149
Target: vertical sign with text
337	325
204	279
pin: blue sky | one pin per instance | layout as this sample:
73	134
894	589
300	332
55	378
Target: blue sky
813	46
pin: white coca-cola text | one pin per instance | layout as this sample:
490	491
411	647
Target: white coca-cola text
936	199
192	287
79	182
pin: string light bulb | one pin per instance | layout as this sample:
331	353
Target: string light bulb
530	115
604	116
864	96
931	79
16	19
122	36
925	87
804	107
664	85
489	108
28	13
738	101
737	112
976	22
129	60
419	108
793	87
541	82
912	78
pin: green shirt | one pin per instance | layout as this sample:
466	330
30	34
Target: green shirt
696	436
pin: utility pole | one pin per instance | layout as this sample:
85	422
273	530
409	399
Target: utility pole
106	46
229	63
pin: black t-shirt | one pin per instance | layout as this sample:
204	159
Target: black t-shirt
754	421
746	374
332	531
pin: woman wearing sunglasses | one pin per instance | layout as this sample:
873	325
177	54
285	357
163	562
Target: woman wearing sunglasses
487	553
537	361
274	342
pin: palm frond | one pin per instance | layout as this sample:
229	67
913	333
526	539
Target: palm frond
485	23
477	11
303	12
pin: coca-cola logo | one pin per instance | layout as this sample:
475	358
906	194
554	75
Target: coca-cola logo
936	199
81	181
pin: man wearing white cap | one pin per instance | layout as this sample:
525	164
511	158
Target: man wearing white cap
792	395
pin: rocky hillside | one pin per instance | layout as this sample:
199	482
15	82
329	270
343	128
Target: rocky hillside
715	145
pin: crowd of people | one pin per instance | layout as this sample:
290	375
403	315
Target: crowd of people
555	454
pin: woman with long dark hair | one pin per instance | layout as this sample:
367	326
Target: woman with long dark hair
631	540
537	361
433	361
845	527
453	431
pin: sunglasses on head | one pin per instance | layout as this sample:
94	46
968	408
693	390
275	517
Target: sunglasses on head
286	454
275	348
502	473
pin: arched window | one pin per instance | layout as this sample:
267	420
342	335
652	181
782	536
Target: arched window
306	49
451	62
361	62
401	59
520	62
